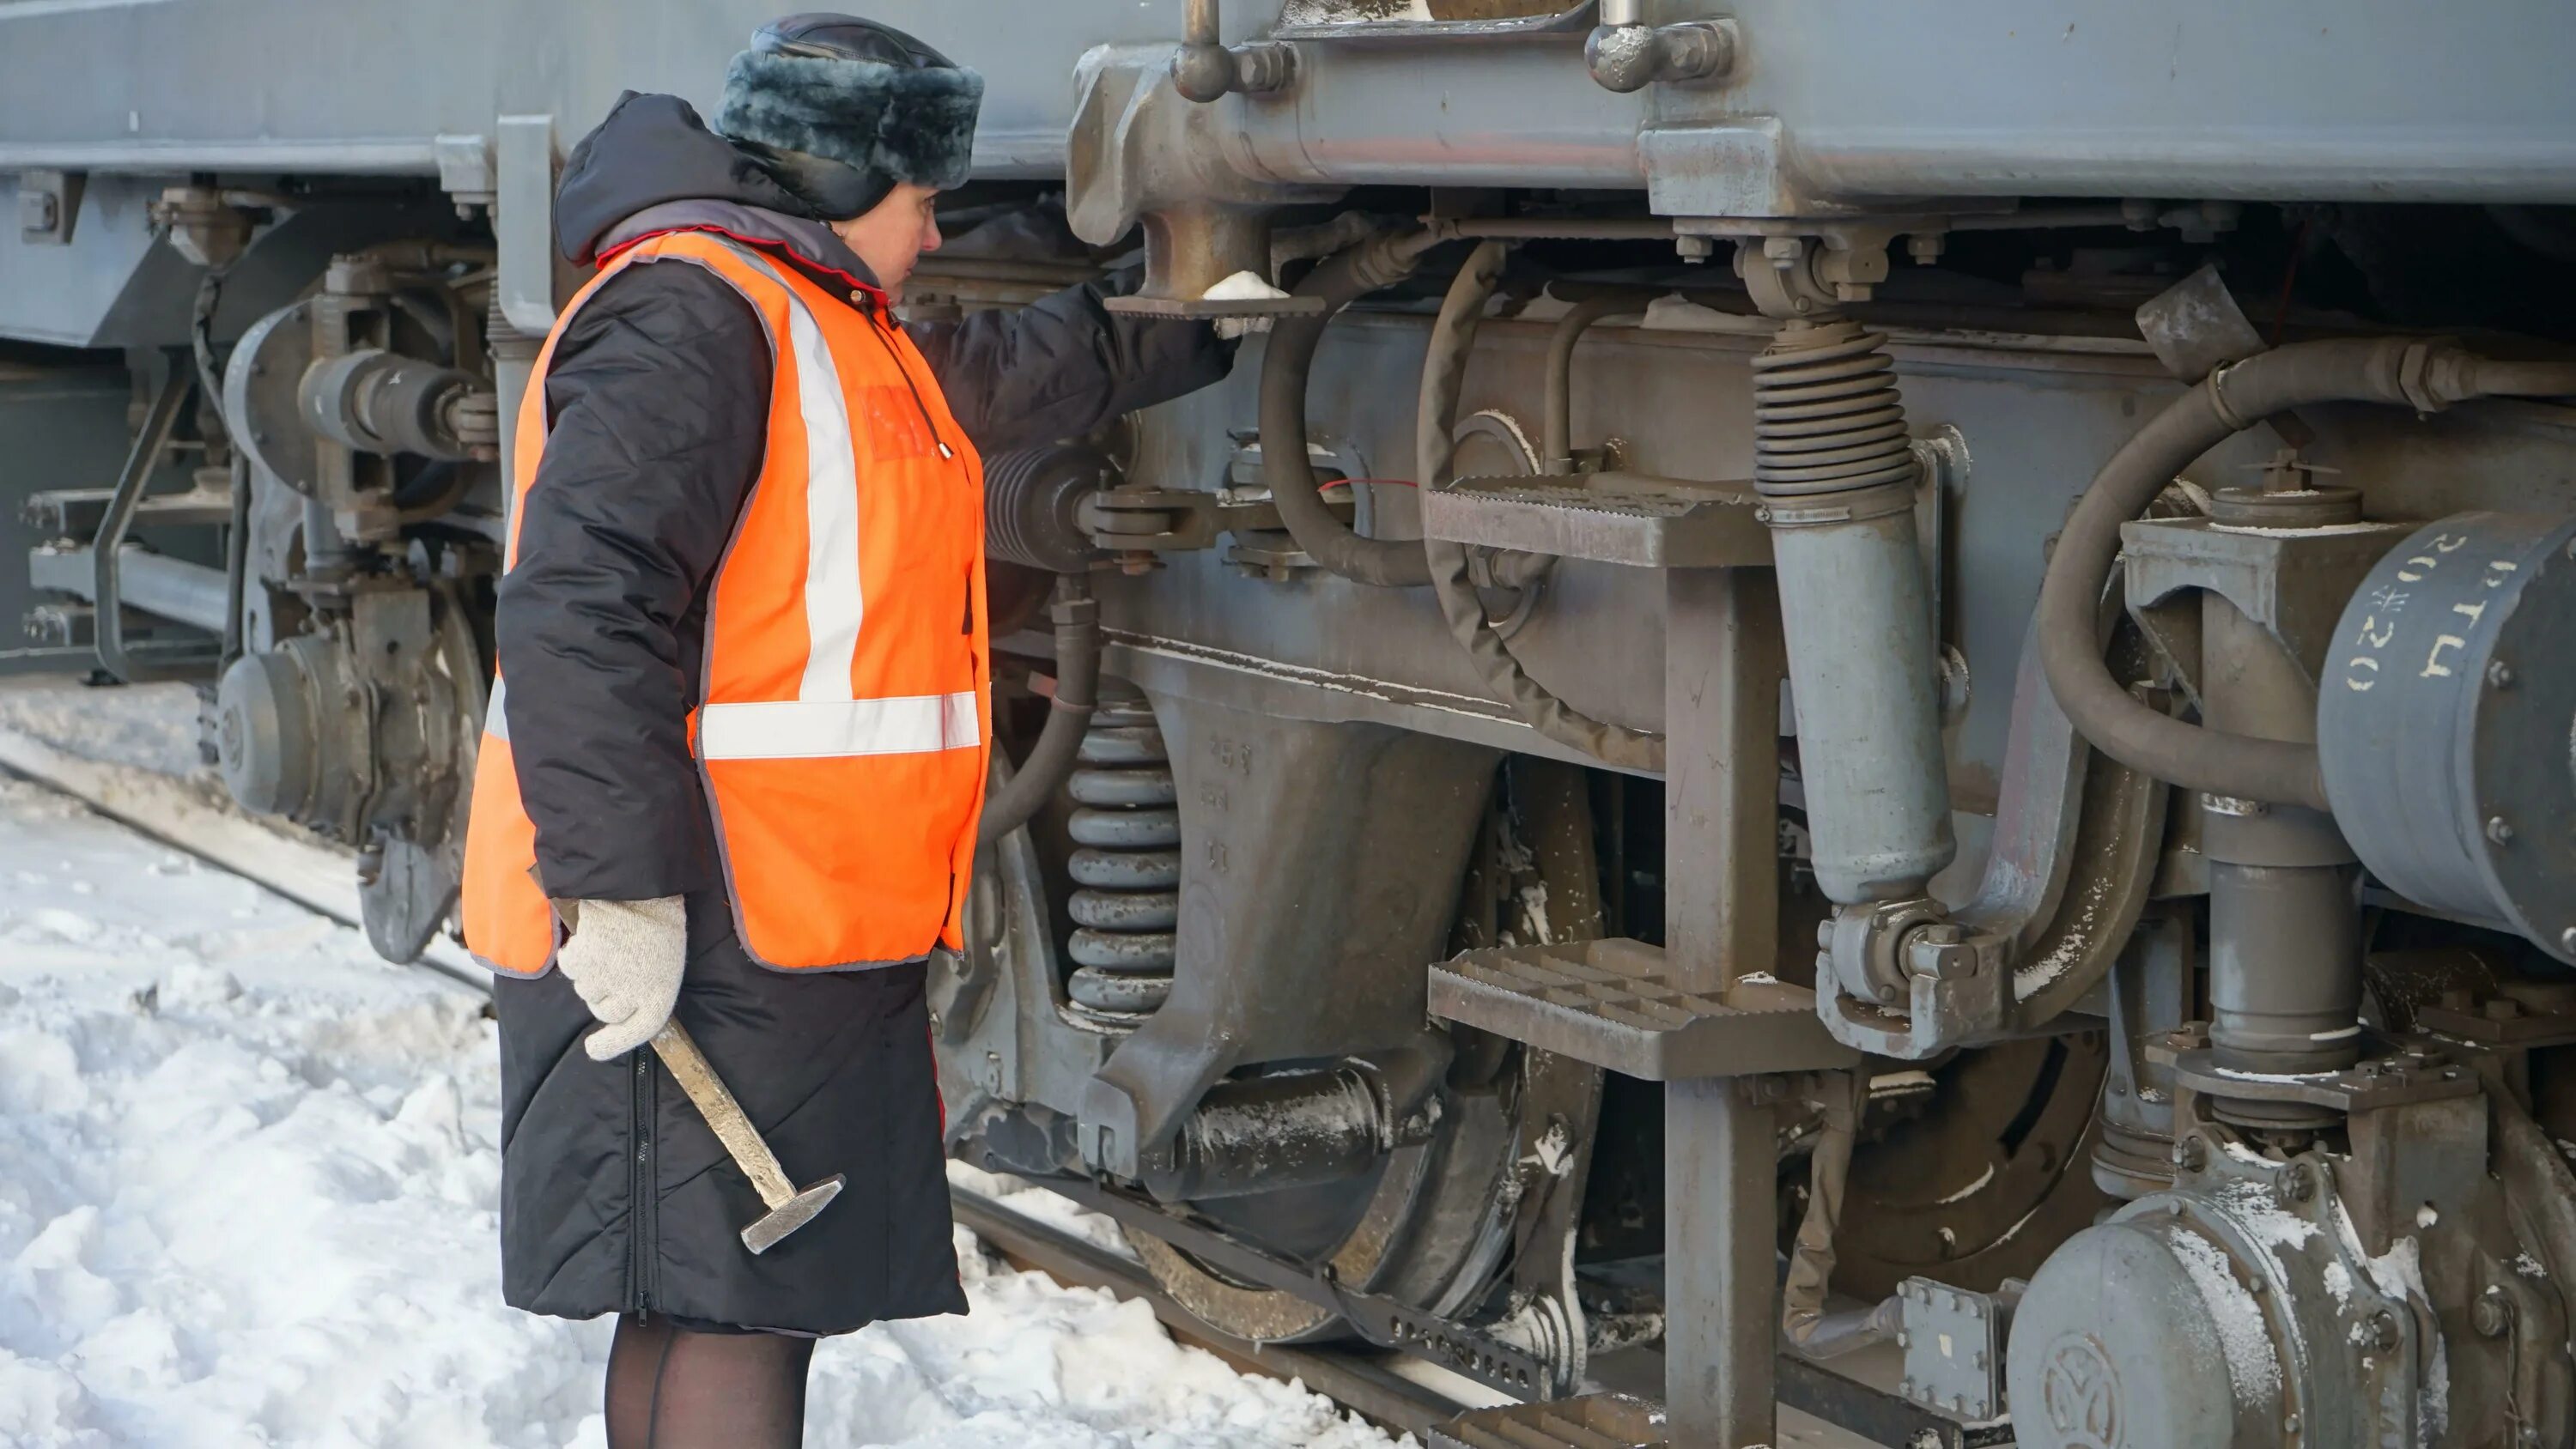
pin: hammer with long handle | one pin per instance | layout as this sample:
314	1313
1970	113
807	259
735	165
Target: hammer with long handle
789	1209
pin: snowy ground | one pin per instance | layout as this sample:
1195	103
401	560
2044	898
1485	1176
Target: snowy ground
247	1188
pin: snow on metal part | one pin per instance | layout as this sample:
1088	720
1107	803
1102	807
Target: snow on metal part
2242	1336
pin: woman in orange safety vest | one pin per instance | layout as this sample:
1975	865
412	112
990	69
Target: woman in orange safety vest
741	713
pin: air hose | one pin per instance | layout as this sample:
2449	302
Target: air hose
1453	336
1077	684
2416	373
1379	262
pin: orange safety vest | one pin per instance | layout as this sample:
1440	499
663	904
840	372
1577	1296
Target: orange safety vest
843	721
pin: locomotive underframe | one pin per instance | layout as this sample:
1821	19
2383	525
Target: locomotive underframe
1361	941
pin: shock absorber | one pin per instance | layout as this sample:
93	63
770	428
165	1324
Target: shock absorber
1837	478
1126	868
1836	474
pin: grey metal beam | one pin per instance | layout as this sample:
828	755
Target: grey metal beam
190	593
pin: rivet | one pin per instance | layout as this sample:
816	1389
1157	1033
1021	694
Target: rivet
2497	830
2500	674
2567	939
2289	1423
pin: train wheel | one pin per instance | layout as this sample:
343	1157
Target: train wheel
1977	1179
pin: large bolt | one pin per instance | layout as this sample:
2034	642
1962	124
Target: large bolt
2299	1184
2492	1315
2192	1153
2383	1330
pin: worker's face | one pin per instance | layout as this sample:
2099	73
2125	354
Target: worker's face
894	234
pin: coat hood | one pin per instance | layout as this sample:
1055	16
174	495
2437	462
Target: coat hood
653	166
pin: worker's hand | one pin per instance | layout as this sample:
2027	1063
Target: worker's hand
625	959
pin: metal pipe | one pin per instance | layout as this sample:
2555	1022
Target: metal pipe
1803	1319
2398	371
1285	360
149	583
2284	967
1556	430
1572	228
1077	682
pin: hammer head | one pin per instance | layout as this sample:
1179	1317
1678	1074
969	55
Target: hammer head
790	1215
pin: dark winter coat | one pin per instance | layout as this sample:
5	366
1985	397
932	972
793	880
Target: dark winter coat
615	1196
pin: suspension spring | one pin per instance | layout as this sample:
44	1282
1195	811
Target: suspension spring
1826	415
1126	869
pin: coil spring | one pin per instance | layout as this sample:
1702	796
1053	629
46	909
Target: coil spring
1826	415
1126	867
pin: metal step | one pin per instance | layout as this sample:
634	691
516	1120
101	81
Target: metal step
1621	518
76	512
1611	1003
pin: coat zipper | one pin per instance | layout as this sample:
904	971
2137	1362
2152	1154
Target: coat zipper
640	1216
875	323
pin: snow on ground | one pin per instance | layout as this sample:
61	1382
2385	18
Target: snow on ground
248	1180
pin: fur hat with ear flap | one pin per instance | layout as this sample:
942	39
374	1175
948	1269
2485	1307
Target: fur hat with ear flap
839	109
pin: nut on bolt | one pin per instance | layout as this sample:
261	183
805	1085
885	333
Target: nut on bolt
2383	1330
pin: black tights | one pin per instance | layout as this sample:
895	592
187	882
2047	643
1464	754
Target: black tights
672	1388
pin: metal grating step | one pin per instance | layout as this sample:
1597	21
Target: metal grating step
1620	518
1612	1004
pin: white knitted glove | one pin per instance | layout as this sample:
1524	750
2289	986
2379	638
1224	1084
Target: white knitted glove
625	960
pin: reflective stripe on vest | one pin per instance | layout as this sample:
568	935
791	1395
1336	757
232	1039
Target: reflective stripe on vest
843	792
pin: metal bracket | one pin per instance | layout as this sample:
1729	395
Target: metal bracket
49	205
2292	582
2411	1075
523	221
465	169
